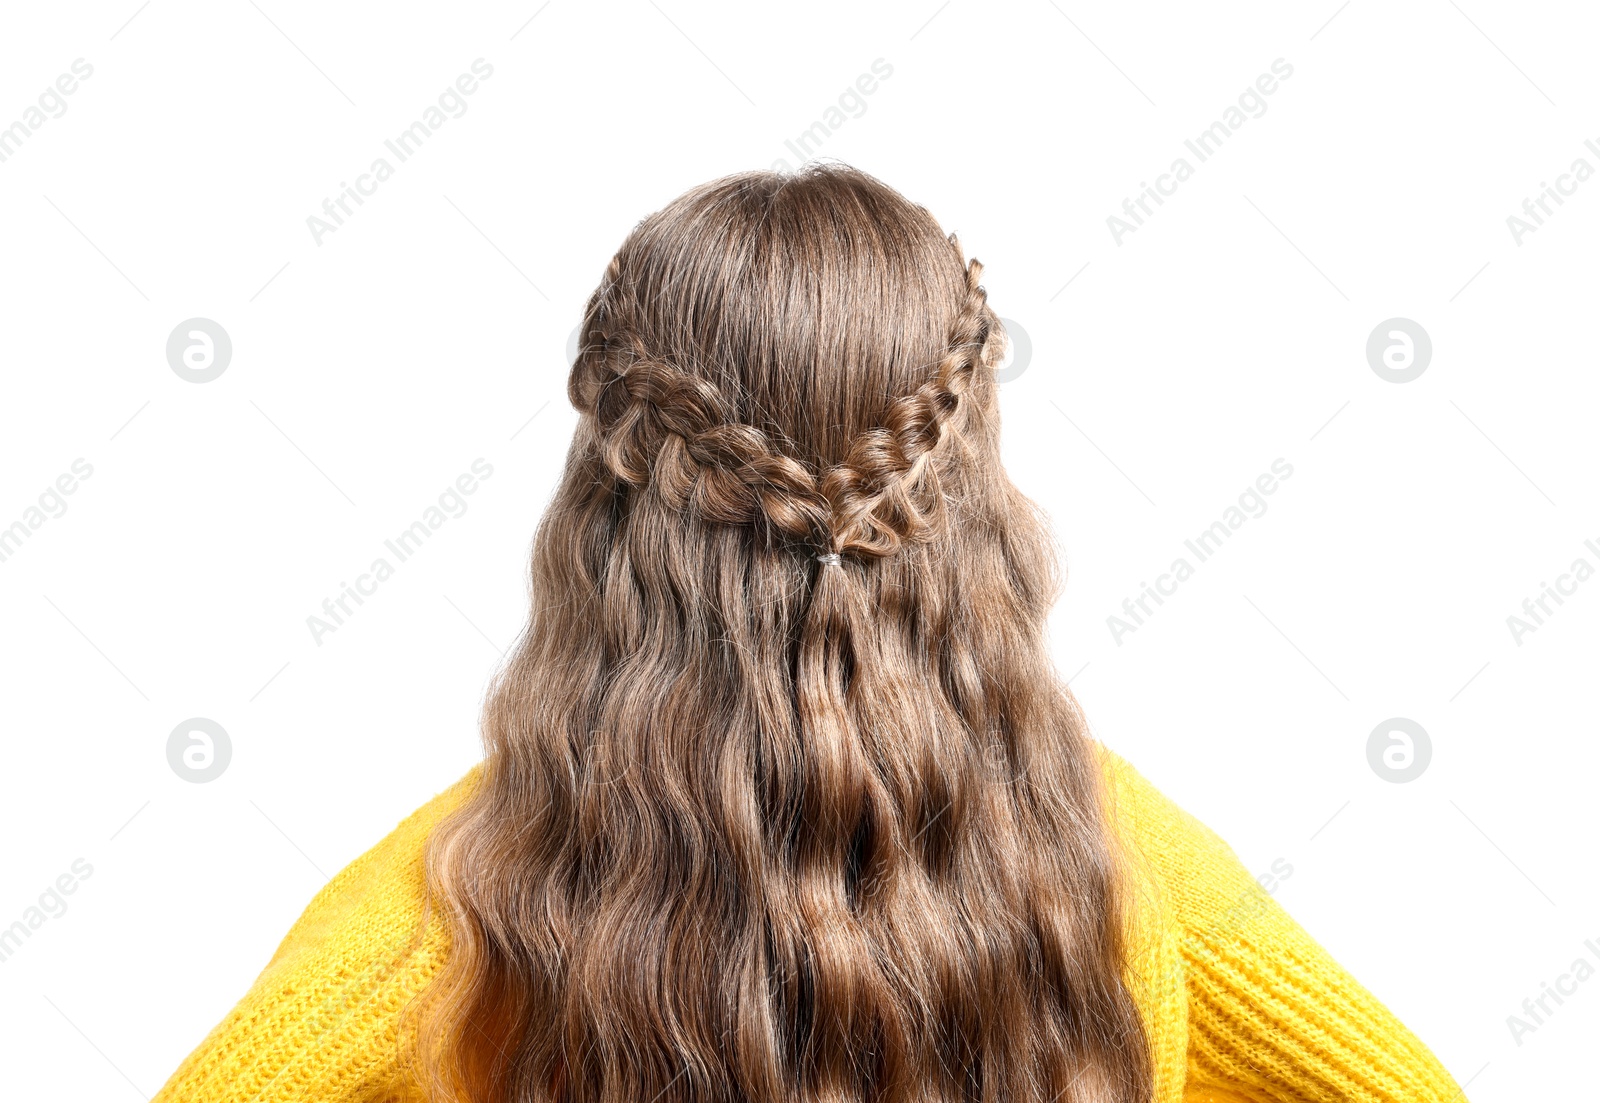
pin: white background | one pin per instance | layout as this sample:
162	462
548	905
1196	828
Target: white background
1168	371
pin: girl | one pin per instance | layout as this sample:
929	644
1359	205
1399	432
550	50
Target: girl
782	800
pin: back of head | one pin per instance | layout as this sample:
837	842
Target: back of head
783	800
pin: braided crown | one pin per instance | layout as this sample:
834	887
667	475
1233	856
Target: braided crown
660	424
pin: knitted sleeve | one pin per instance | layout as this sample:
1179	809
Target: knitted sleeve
322	1022
1272	1017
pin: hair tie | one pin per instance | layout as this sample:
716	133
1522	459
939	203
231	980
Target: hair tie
829	559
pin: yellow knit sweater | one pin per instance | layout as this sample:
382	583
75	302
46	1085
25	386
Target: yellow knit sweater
1239	1001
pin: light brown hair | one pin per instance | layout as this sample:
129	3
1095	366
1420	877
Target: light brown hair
757	826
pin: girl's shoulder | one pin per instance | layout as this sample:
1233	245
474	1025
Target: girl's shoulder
323	1019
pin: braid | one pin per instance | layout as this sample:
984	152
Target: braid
874	495
660	425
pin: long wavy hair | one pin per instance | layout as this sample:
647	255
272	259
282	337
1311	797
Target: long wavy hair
783	801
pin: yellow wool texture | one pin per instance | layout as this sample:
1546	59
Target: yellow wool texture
1240	1003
